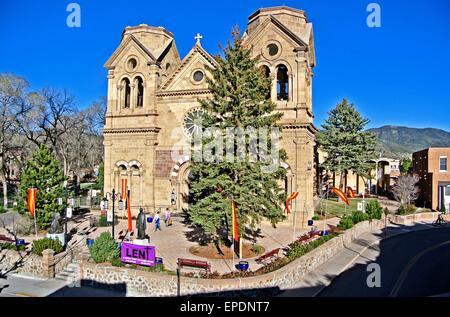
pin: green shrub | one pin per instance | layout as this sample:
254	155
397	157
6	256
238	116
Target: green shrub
346	222
374	209
2	210
401	210
256	249
443	209
410	209
46	243
298	249
316	218
102	221
359	216
104	249
11	246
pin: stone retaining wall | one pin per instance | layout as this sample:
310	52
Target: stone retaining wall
46	266
136	282
420	216
23	262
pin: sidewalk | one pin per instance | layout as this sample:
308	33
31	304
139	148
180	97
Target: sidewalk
24	286
320	278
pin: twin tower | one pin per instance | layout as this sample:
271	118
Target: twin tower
153	102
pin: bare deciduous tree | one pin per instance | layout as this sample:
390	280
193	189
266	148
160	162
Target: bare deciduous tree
405	189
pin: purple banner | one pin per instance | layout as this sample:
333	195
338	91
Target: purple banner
138	254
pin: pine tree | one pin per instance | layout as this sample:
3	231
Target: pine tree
42	172
348	146
239	99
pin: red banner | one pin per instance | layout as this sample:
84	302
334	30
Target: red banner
31	201
293	196
234	221
130	222
340	194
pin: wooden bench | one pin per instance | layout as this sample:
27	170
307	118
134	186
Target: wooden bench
5	238
194	263
268	255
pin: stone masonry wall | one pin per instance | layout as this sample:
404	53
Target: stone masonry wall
136	282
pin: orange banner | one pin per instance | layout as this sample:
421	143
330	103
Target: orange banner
124	188
350	192
31	201
234	222
293	196
340	194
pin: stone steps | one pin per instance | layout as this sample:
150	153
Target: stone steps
70	272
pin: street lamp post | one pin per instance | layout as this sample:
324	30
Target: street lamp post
65	210
113	196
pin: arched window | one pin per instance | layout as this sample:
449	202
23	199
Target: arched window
140	92
127	92
282	83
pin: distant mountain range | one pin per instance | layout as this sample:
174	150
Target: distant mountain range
400	142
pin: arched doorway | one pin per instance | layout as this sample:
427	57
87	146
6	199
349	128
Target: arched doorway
184	176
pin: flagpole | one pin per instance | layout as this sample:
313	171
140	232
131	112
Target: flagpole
34	210
326	208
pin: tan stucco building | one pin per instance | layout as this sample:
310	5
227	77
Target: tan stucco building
153	98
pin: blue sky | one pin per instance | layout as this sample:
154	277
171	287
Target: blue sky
398	74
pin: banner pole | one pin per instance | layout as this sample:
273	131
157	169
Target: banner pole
326	209
34	211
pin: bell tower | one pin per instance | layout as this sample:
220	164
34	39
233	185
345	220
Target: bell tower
283	39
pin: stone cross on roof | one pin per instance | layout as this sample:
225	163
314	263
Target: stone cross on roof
198	37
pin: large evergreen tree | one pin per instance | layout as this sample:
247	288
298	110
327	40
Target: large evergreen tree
239	90
42	172
348	146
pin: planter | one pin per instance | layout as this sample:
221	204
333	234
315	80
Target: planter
243	265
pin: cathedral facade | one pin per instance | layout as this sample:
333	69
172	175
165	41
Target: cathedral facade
153	102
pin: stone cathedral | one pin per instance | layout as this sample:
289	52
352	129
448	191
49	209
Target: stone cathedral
153	102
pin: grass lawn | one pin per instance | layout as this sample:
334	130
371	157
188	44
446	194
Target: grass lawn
86	185
338	208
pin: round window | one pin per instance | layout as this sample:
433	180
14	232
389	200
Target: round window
198	76
191	125
272	49
132	62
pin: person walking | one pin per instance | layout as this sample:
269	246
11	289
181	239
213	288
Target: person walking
157	221
167	217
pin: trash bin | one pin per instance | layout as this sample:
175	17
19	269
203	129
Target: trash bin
149	219
20	242
159	260
310	222
89	242
243	265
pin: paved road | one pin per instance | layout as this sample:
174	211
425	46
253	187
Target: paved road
25	286
412	264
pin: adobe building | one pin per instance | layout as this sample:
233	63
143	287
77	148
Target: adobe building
383	175
431	165
153	102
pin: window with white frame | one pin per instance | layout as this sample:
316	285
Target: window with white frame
443	163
